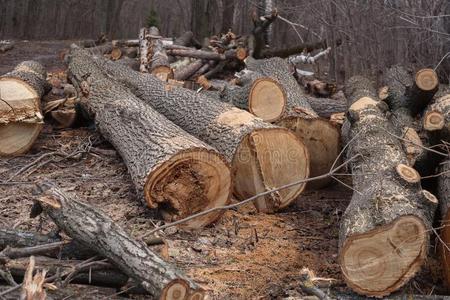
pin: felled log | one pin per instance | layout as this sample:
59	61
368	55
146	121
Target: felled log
239	53
21	117
185	72
103	235
443	193
286	52
258	94
72	249
384	234
406	99
5	47
173	170
102	49
143	50
103	274
436	119
247	142
320	136
160	66
325	107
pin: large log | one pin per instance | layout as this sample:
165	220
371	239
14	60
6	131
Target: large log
384	234
443	188
21	117
160	66
172	169
96	230
262	156
319	135
258	94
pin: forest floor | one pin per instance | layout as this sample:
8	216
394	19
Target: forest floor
244	255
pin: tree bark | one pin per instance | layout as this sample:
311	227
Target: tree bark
172	169
384	234
183	73
247	142
443	193
160	66
21	117
325	107
239	54
319	135
99	232
143	50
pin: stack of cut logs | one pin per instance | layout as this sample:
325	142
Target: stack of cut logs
189	139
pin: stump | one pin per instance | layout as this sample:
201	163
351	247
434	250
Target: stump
21	117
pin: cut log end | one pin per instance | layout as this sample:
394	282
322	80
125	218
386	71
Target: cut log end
362	104
427	79
433	120
430	197
378	262
267	99
383	93
20	119
116	54
267	159
189	182
197	295
413	145
163	73
408	174
175	290
241	53
322	140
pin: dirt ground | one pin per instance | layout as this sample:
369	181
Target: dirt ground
245	255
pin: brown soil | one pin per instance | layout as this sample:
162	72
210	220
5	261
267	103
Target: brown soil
245	255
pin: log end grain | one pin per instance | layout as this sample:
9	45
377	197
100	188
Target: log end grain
187	183
433	121
20	117
267	99
407	173
267	159
175	290
323	142
427	80
380	261
164	73
116	54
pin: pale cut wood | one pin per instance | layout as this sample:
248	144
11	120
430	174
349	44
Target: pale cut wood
276	158
384	234
21	117
321	137
95	229
173	170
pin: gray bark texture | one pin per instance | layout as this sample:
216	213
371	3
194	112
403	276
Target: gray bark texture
195	113
99	232
382	196
144	138
185	72
325	107
278	69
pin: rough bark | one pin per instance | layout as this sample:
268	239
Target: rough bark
160	66
208	55
96	230
170	168
443	193
104	274
185	72
232	131
143	50
21	117
319	135
384	234
325	107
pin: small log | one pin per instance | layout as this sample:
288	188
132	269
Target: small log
160	66
320	137
185	72
443	188
258	94
103	235
125	43
325	107
21	117
104	274
171	169
246	141
384	234
286	52
143	50
437	119
239	54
